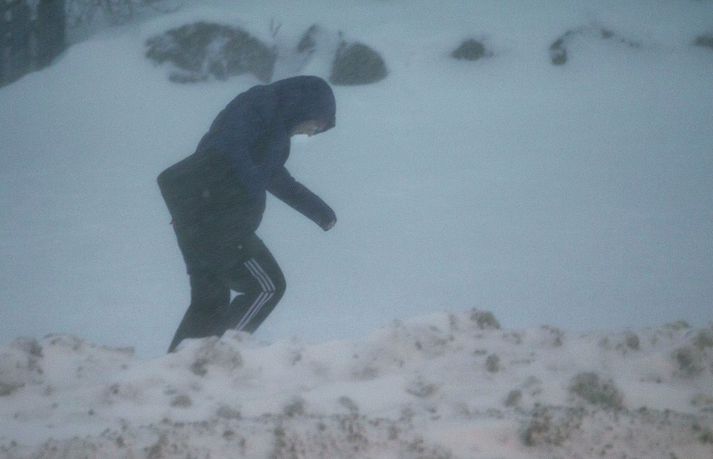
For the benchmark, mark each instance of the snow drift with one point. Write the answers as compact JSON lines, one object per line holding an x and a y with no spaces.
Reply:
{"x":576,"y":195}
{"x":441,"y":386}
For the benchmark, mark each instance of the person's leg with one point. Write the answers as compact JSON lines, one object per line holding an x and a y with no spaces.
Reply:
{"x":204,"y":317}
{"x":260,"y":282}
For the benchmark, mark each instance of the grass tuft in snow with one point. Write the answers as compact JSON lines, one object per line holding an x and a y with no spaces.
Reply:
{"x":593,"y":389}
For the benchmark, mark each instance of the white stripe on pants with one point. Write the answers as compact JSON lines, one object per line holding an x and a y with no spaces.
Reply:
{"x":268,"y":291}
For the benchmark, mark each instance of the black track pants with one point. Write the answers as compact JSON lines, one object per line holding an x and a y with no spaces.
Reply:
{"x":257,"y":279}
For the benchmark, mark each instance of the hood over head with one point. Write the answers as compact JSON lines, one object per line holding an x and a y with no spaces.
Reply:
{"x":305,"y":98}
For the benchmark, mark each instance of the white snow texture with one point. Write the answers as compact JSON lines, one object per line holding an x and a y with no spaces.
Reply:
{"x":575,"y":195}
{"x":441,"y":386}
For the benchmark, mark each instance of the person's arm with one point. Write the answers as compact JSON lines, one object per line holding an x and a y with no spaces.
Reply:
{"x":283,"y":186}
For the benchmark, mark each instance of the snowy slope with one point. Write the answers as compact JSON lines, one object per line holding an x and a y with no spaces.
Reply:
{"x":440,"y":386}
{"x":577,"y":196}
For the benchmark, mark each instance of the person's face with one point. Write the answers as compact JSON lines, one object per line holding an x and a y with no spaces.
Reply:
{"x":309,"y":128}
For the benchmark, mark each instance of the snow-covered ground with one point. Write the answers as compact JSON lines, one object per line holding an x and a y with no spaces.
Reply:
{"x":440,"y":386}
{"x":577,"y":196}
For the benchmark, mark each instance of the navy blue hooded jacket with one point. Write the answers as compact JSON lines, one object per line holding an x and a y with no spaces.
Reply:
{"x":217,"y":195}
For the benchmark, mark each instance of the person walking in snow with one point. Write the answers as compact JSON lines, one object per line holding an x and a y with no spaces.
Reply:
{"x":216,"y":198}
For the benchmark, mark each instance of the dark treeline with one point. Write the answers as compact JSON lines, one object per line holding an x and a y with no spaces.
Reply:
{"x":31,"y":36}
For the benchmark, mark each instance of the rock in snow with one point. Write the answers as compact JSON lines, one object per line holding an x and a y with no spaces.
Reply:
{"x":426,"y":388}
{"x":201,"y":50}
{"x":357,"y":63}
{"x":471,"y":50}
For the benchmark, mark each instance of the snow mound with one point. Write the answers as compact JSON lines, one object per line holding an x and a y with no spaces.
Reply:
{"x":447,"y":385}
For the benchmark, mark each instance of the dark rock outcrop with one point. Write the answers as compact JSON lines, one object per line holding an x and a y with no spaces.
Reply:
{"x":471,"y":50}
{"x":559,"y":53}
{"x":355,"y":64}
{"x":203,"y":50}
{"x":308,"y":42}
{"x":704,"y":41}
